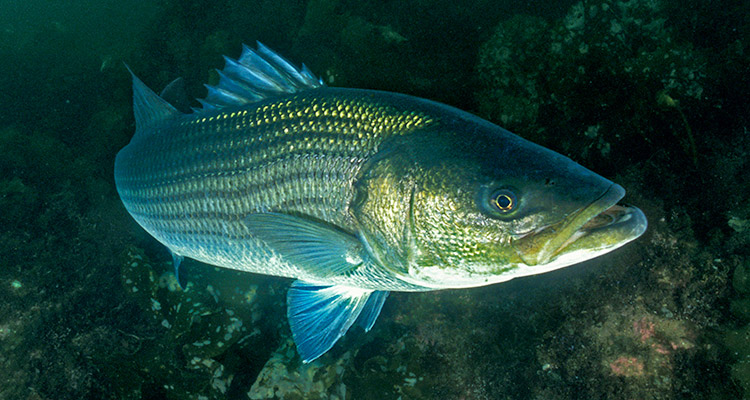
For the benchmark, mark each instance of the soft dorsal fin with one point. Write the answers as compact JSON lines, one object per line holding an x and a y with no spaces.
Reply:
{"x":148,"y":107}
{"x":256,"y":75}
{"x":176,"y":95}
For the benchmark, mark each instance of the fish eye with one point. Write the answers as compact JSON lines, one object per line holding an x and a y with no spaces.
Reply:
{"x":503,"y":200}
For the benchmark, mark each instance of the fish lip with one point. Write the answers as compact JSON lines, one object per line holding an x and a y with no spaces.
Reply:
{"x":597,"y":209}
{"x":560,"y":235}
{"x":612,"y":228}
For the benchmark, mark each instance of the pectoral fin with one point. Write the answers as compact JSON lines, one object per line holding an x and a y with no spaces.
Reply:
{"x":320,"y":315}
{"x":310,"y":244}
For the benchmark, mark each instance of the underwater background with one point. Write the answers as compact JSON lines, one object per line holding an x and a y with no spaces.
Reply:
{"x":649,"y":93}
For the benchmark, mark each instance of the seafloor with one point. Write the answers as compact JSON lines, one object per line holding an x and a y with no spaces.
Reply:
{"x":649,"y":93}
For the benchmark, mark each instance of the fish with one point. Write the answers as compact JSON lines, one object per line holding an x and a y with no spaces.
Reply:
{"x":354,"y":193}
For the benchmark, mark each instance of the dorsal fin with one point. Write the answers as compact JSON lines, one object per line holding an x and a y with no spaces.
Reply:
{"x":176,"y":95}
{"x":148,"y":107}
{"x":256,"y":75}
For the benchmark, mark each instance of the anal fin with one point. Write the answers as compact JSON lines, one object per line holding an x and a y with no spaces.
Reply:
{"x":176,"y":261}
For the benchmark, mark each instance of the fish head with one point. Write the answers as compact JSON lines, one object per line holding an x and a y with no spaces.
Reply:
{"x":457,"y":208}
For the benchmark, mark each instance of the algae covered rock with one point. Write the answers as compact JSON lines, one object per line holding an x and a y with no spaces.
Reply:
{"x":201,"y":334}
{"x":512,"y":72}
{"x":284,"y":377}
{"x":608,"y":76}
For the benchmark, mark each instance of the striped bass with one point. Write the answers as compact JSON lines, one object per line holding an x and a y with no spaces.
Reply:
{"x":354,"y":193}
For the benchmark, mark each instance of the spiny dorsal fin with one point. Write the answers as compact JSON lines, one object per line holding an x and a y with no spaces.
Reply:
{"x":256,"y":75}
{"x":148,"y":107}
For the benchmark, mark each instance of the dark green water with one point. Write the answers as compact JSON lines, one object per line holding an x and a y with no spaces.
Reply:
{"x":649,"y":93}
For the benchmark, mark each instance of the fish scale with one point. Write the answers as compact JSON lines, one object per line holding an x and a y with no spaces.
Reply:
{"x":190,"y":183}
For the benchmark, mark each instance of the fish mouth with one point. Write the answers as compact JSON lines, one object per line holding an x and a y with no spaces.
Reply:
{"x":600,"y":227}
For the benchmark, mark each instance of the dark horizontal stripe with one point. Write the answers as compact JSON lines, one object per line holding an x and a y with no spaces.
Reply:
{"x":191,"y":144}
{"x":310,"y":205}
{"x":246,"y":193}
{"x":311,"y":177}
{"x":201,"y":217}
{"x":232,"y":165}
{"x":205,"y":223}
